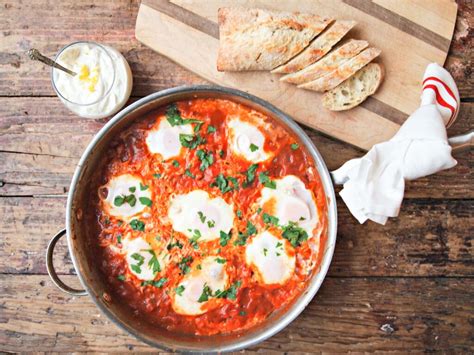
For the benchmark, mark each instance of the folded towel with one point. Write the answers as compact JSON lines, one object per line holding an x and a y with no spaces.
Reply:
{"x":374,"y":184}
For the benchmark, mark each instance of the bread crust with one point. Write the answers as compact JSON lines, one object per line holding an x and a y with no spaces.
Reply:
{"x":255,"y":39}
{"x":328,"y":63}
{"x":344,"y":71}
{"x":317,"y":48}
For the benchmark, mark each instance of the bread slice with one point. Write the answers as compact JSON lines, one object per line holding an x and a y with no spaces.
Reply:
{"x":255,"y":39}
{"x":354,"y":90}
{"x":318,"y":48}
{"x":344,"y":71}
{"x":328,"y":64}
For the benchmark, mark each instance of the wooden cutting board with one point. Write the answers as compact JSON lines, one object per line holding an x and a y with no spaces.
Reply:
{"x":411,"y":34}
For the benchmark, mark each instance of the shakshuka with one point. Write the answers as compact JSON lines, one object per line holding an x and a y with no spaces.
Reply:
{"x":209,"y":216}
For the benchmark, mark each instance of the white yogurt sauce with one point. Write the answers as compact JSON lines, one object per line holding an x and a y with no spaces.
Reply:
{"x":103,"y":82}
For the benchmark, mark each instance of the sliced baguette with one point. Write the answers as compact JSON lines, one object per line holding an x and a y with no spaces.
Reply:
{"x":318,"y":48}
{"x":256,"y":39}
{"x":344,"y":71}
{"x":354,"y":90}
{"x":328,"y":64}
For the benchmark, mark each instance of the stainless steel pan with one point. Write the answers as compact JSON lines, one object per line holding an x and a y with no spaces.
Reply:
{"x":88,"y":272}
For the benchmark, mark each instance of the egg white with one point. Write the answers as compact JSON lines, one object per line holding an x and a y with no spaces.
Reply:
{"x":165,"y":139}
{"x":212,"y":274}
{"x":197,"y":211}
{"x":268,"y":255}
{"x":139,"y":246}
{"x":120,"y":186}
{"x":241,"y":136}
{"x":291,"y":201}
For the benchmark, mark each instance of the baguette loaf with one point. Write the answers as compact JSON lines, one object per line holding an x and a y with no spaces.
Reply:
{"x":354,"y":90}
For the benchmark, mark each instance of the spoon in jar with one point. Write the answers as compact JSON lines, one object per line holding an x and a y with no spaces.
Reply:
{"x":35,"y":54}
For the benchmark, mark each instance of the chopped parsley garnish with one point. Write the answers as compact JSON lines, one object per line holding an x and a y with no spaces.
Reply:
{"x":201,"y":216}
{"x":250,"y":175}
{"x":253,"y":147}
{"x":239,"y":213}
{"x":259,"y":210}
{"x":206,"y":293}
{"x":121,"y":277}
{"x":188,"y":172}
{"x":251,"y":229}
{"x":269,"y":219}
{"x":137,"y":225}
{"x":175,"y":244}
{"x":174,"y":117}
{"x":199,"y":267}
{"x":140,"y":260}
{"x":156,"y":176}
{"x":119,"y":223}
{"x":294,"y":146}
{"x":194,"y":239}
{"x":191,"y":141}
{"x":143,"y":187}
{"x":265,"y":180}
{"x":221,"y":261}
{"x":230,"y":293}
{"x":184,"y":264}
{"x":132,"y":189}
{"x":211,"y":129}
{"x":179,"y":290}
{"x":294,"y":234}
{"x":211,"y":223}
{"x":130,"y":199}
{"x":154,"y":264}
{"x":119,"y":238}
{"x":206,"y":159}
{"x":145,"y":201}
{"x":242,"y":237}
{"x":265,"y":251}
{"x":242,"y":313}
{"x":223,"y":184}
{"x":221,"y":153}
{"x":159,"y":283}
{"x":224,"y":238}
{"x":175,"y":163}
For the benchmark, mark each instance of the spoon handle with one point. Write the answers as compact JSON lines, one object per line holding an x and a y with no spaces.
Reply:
{"x":35,"y":54}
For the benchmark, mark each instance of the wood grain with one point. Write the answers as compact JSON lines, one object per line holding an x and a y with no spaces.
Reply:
{"x":367,"y":315}
{"x":428,"y":239}
{"x":39,"y":161}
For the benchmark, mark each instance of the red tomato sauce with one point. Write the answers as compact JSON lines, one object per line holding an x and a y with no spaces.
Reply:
{"x":254,"y":301}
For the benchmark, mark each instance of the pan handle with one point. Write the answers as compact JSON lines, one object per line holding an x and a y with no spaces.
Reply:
{"x":52,"y":272}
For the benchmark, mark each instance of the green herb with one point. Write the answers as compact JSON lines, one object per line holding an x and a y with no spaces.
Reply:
{"x":220,"y":260}
{"x":211,"y":223}
{"x":158,"y":238}
{"x":156,"y":176}
{"x":224,"y":238}
{"x":221,"y":153}
{"x":176,"y":244}
{"x":239,"y":213}
{"x":140,"y":260}
{"x":259,"y":210}
{"x":119,"y":239}
{"x":121,"y":277}
{"x":199,"y":267}
{"x":279,"y":245}
{"x":223,"y":183}
{"x":206,"y":159}
{"x":253,"y":147}
{"x":120,"y":200}
{"x":250,"y":175}
{"x":211,"y":129}
{"x":242,"y":237}
{"x":143,"y":187}
{"x":119,"y":223}
{"x":230,"y":293}
{"x":154,"y":264}
{"x":269,"y":219}
{"x":191,"y":141}
{"x":295,"y":146}
{"x":251,"y":229}
{"x":201,"y":217}
{"x":175,"y":163}
{"x":137,"y":225}
{"x":265,"y":180}
{"x":132,"y":189}
{"x":183,"y":264}
{"x":302,"y":218}
{"x":242,"y":313}
{"x":265,"y":251}
{"x":294,"y":234}
{"x":198,"y":126}
{"x":145,"y":201}
{"x":206,"y":293}
{"x":189,"y":173}
{"x":174,"y":117}
{"x":179,"y":290}
{"x":194,"y":239}
{"x":159,"y":283}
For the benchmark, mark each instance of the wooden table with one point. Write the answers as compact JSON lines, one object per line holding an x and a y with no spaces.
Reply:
{"x":404,"y":286}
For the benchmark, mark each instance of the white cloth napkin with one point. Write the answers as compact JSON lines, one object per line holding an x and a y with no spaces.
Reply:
{"x":374,"y":184}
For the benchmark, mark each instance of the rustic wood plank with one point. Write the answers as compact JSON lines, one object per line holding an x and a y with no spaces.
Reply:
{"x":430,"y":238}
{"x":397,"y":315}
{"x":51,"y":142}
{"x":27,"y":24}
